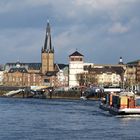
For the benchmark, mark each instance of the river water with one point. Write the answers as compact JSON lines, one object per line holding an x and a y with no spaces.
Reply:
{"x":57,"y":119}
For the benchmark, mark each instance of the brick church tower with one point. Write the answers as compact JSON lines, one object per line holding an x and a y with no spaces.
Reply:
{"x":47,"y":54}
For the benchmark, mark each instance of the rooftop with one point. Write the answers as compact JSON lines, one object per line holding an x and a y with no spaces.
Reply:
{"x":76,"y":53}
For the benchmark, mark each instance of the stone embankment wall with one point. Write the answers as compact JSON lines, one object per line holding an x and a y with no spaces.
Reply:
{"x":5,"y":89}
{"x":70,"y":94}
{"x":65,"y":94}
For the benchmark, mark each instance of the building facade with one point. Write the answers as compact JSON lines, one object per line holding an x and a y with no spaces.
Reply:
{"x":76,"y":64}
{"x":47,"y":54}
{"x":132,"y":75}
{"x":21,"y":77}
{"x":33,"y":74}
{"x":62,"y":75}
{"x":37,"y":74}
{"x":102,"y":75}
{"x":1,"y":77}
{"x":77,"y":73}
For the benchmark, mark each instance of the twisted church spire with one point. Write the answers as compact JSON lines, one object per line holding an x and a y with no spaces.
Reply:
{"x":48,"y":44}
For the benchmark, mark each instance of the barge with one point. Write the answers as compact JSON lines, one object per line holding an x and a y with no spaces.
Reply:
{"x":123,"y":103}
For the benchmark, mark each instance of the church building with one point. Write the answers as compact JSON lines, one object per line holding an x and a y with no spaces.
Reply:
{"x":47,"y":54}
{"x":35,"y":74}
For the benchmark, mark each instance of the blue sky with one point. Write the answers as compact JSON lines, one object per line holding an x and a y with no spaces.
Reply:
{"x":102,"y":30}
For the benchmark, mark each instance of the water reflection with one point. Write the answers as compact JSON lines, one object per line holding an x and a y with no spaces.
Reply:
{"x":128,"y":117}
{"x":32,"y":119}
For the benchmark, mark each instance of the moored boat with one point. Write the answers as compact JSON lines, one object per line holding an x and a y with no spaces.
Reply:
{"x":123,"y":103}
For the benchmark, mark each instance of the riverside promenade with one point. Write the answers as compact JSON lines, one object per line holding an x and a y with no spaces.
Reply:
{"x":54,"y":94}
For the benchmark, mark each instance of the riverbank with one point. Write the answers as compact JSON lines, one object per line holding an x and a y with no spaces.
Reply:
{"x":2,"y":92}
{"x":74,"y":94}
{"x":47,"y":93}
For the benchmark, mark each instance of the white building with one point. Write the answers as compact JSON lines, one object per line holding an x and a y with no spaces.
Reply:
{"x":107,"y":74}
{"x":62,"y":75}
{"x":111,"y":78}
{"x":76,"y":66}
{"x":1,"y":77}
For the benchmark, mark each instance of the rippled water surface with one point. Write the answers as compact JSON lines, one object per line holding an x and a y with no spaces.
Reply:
{"x":41,"y":119}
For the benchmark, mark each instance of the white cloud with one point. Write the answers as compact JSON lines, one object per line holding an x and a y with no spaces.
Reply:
{"x":118,"y":28}
{"x":78,"y":24}
{"x":104,"y":4}
{"x":37,"y":2}
{"x":15,"y":5}
{"x":114,"y":9}
{"x":98,"y":4}
{"x":21,"y":43}
{"x":90,"y":4}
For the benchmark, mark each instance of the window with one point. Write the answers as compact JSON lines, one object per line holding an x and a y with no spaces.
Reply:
{"x":72,"y":59}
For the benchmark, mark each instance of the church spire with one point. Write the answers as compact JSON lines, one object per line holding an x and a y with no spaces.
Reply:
{"x":48,"y":43}
{"x":121,"y":61}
